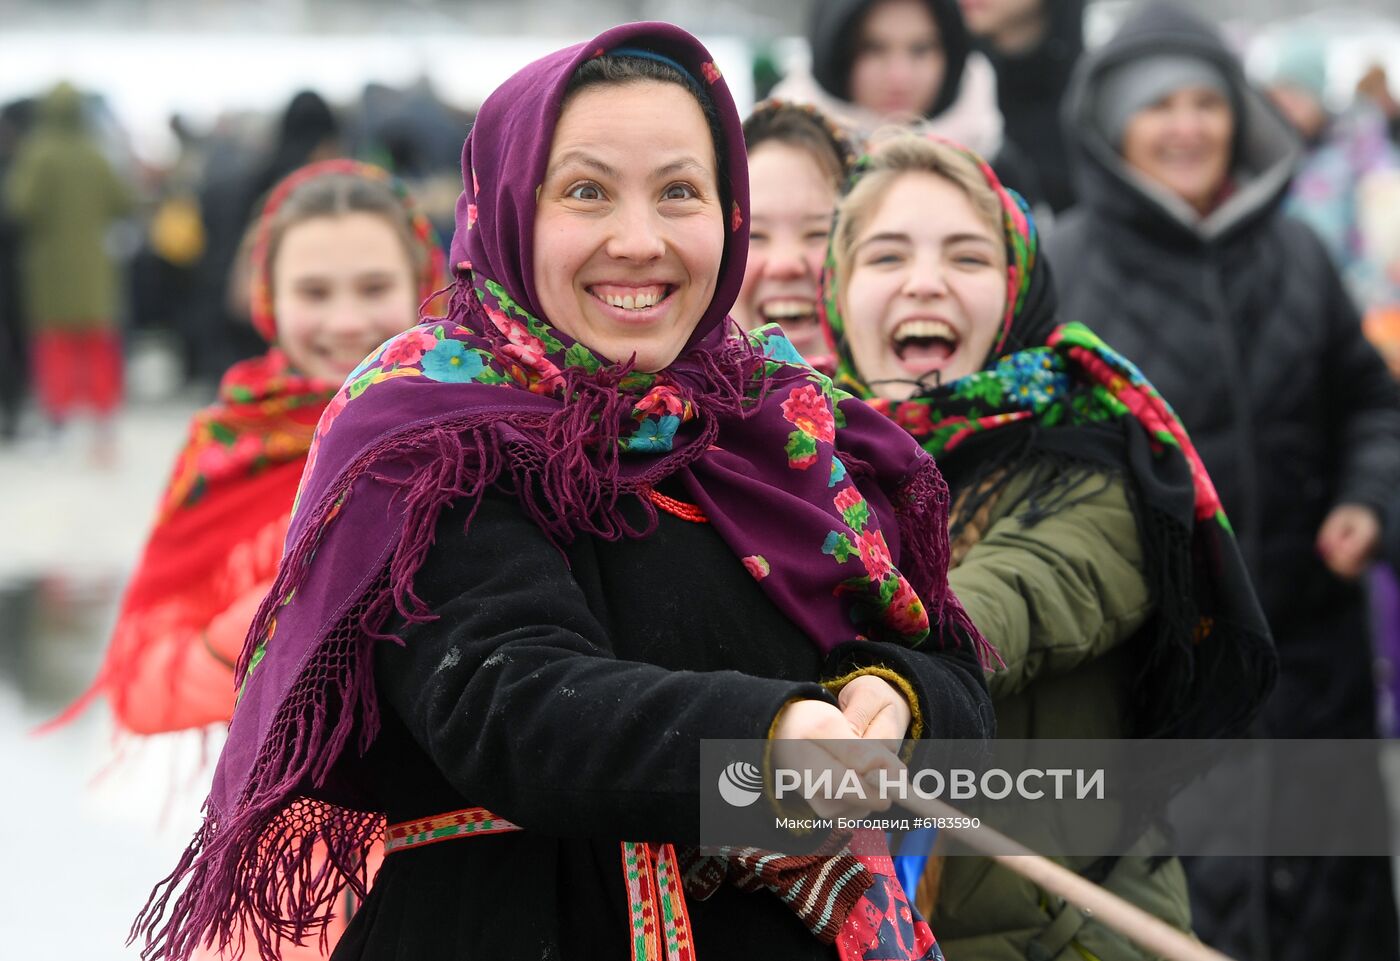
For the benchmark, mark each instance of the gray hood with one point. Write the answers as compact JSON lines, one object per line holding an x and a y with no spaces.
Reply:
{"x":1266,"y":148}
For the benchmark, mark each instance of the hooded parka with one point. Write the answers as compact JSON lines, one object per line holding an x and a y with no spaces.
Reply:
{"x":965,"y":109}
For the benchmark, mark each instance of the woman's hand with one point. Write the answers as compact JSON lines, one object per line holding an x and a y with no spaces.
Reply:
{"x":813,"y":736}
{"x":1348,"y":539}
{"x":875,"y":708}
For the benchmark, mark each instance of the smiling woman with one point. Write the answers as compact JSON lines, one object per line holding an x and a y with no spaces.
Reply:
{"x":924,"y":297}
{"x":341,"y":259}
{"x":598,"y":529}
{"x":1181,"y":256}
{"x":341,"y":287}
{"x":798,"y":163}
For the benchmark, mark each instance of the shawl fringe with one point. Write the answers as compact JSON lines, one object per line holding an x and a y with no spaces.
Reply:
{"x":565,"y":471}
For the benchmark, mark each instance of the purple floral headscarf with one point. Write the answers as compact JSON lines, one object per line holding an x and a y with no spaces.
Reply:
{"x":834,"y":509}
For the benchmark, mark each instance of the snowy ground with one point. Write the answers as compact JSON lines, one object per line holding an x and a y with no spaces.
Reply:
{"x":85,"y":838}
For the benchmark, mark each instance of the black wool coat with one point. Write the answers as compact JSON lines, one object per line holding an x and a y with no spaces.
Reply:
{"x":569,"y":692}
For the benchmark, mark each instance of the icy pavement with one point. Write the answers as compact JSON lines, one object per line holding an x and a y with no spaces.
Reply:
{"x":85,"y":838}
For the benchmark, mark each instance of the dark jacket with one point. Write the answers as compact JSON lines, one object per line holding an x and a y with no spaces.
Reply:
{"x":1030,"y":88}
{"x":569,"y":694}
{"x":1242,"y":322}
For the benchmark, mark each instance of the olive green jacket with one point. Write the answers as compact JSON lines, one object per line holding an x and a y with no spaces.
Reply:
{"x":63,"y":196}
{"x":1057,"y":599}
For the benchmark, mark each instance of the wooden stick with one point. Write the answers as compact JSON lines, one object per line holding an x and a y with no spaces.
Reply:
{"x":1148,"y":932}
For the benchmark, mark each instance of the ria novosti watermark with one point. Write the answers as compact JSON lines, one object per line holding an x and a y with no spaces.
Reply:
{"x":931,"y":784}
{"x":1065,"y":797}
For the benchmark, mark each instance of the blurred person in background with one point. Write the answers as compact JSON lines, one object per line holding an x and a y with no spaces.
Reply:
{"x":1093,"y":563}
{"x":1340,"y":152}
{"x":308,"y":131}
{"x":341,"y":262}
{"x":798,"y":164}
{"x":63,"y":197}
{"x":1348,"y":157}
{"x":15,"y":120}
{"x":904,"y":62}
{"x":1375,"y":86}
{"x":1180,"y":257}
{"x":1033,"y":46}
{"x":164,"y":271}
{"x":418,"y":137}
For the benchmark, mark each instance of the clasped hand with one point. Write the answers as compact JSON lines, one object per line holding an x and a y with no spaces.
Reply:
{"x":860,"y":733}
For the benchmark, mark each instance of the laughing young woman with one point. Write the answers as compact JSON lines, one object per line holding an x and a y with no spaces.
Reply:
{"x":549,"y":543}
{"x":798,"y":164}
{"x":1088,"y":540}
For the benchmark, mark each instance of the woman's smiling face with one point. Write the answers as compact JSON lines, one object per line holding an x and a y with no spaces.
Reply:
{"x":792,"y":201}
{"x":342,"y":285}
{"x":629,"y":226}
{"x":926,"y":294}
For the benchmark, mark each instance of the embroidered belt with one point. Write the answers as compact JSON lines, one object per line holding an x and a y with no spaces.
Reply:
{"x":467,"y":822}
{"x":656,"y":911}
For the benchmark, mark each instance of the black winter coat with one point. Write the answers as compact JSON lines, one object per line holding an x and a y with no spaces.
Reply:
{"x":569,"y":694}
{"x":1030,"y":88}
{"x":1242,"y":322}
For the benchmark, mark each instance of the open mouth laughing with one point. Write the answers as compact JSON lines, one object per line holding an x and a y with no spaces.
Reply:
{"x":924,"y":344}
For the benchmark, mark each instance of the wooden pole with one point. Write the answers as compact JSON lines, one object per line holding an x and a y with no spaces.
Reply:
{"x":1150,"y":933}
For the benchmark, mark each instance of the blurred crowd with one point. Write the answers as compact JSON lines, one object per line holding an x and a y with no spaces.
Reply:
{"x":100,"y":247}
{"x":1237,"y":238}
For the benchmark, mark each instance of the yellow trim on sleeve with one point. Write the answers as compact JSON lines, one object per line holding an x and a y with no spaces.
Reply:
{"x":916,"y":716}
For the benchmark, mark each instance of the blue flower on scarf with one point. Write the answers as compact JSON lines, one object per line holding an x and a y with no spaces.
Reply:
{"x":452,"y":362}
{"x":838,"y":471}
{"x":654,"y":436}
{"x":779,"y":348}
{"x":1030,"y":379}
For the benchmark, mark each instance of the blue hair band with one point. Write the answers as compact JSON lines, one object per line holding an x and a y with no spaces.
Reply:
{"x":658,"y":57}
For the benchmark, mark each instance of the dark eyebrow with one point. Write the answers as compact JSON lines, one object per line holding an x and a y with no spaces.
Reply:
{"x":888,"y":236}
{"x":579,"y":157}
{"x":586,"y":160}
{"x":961,"y":238}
